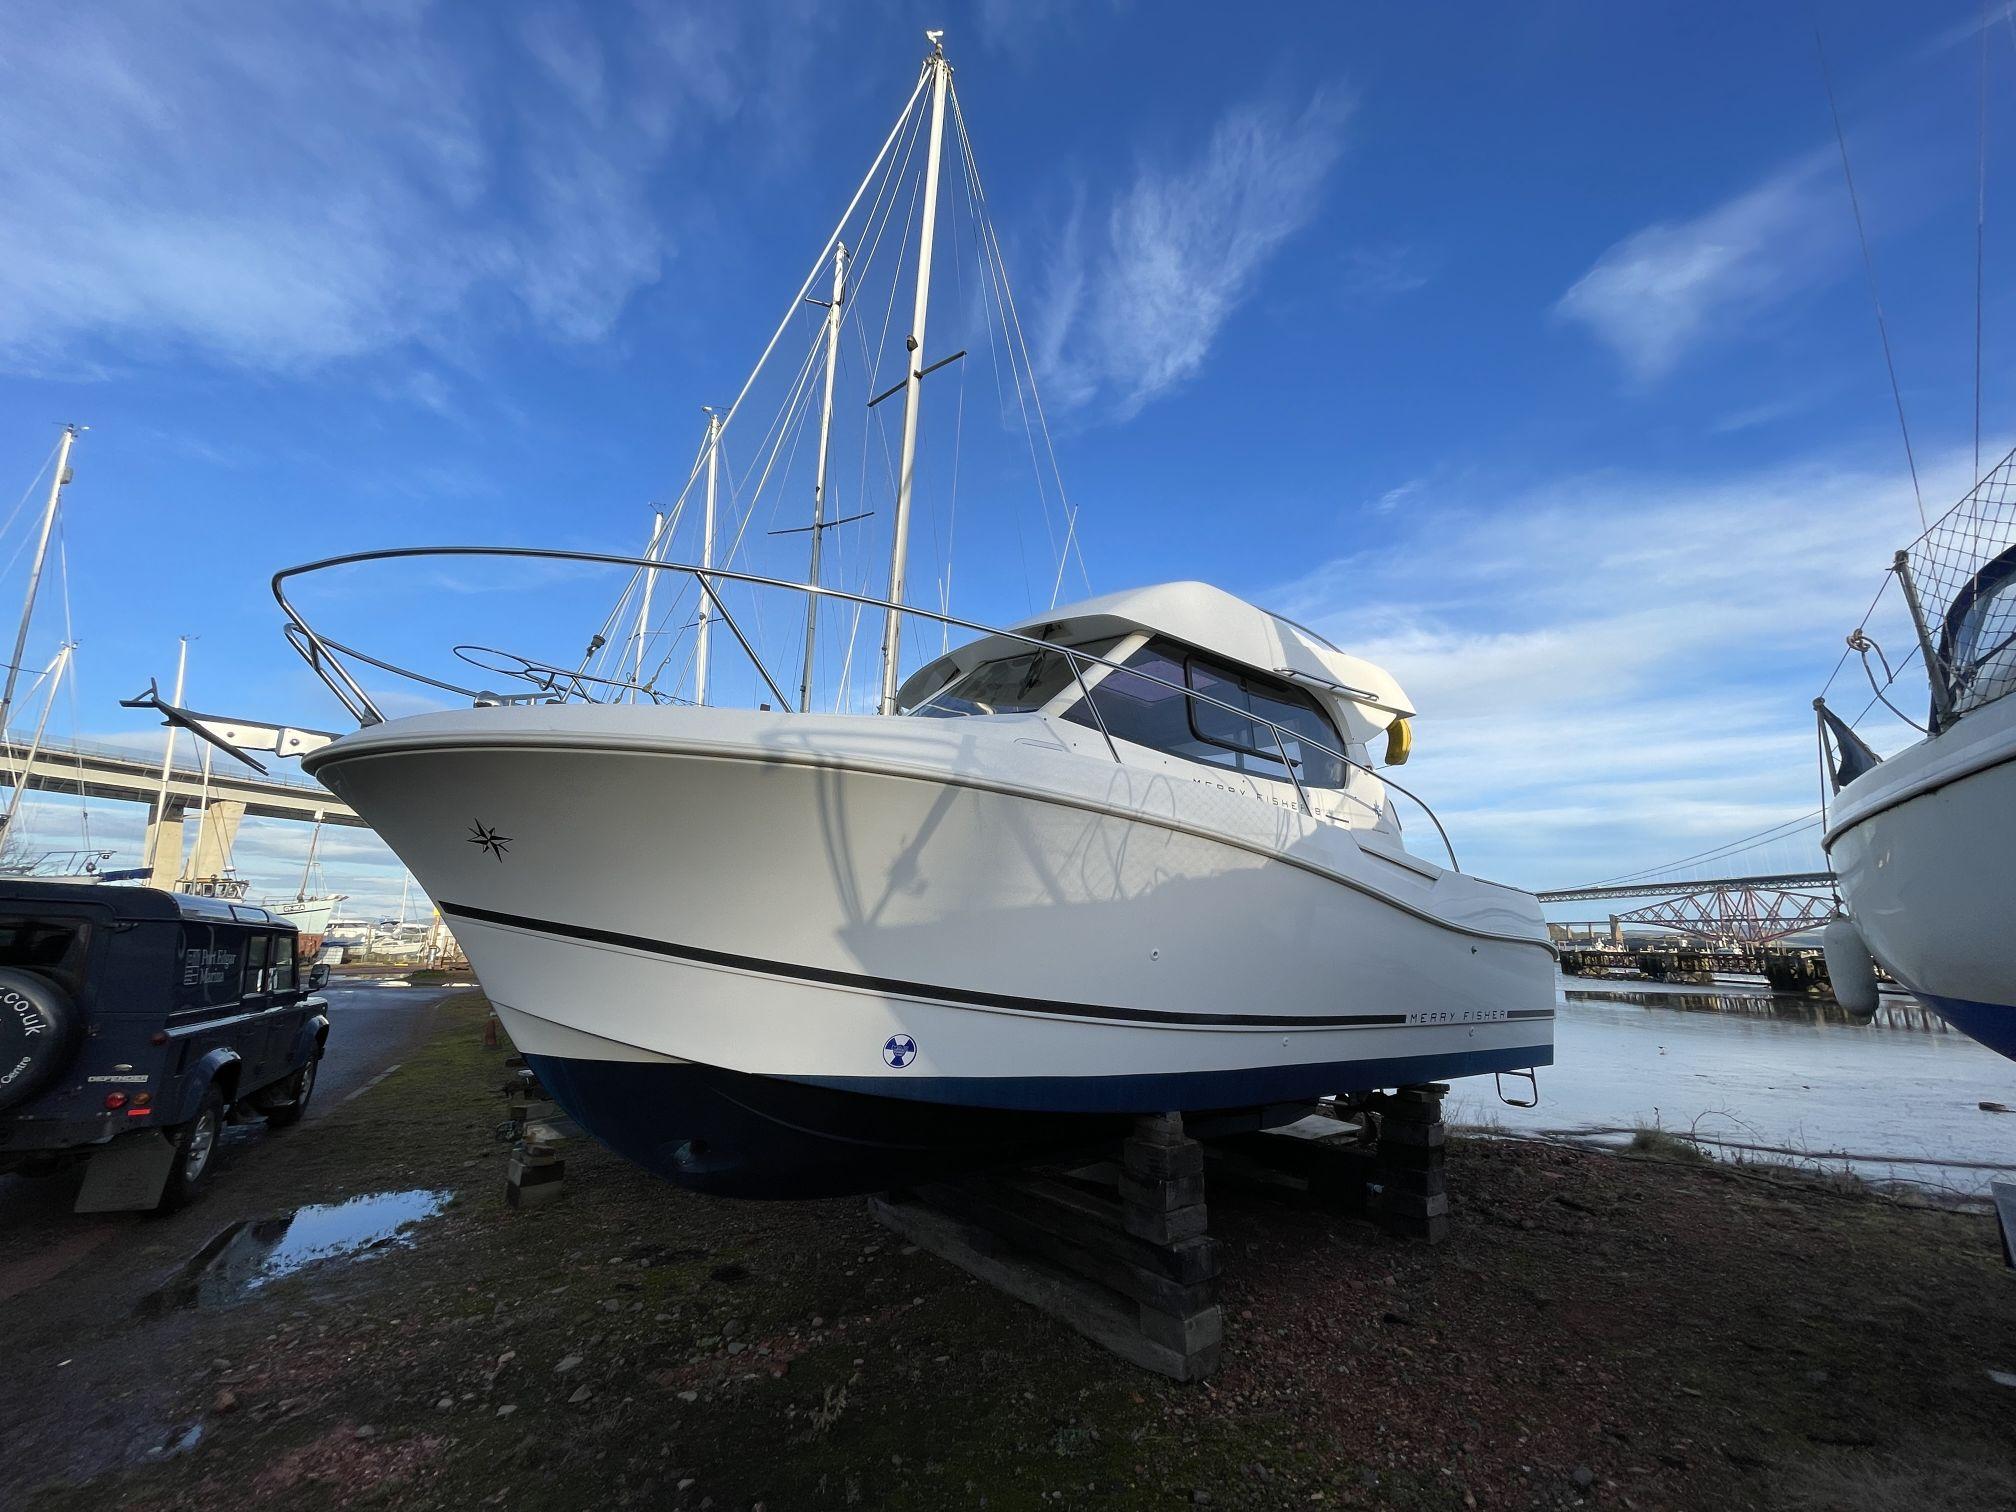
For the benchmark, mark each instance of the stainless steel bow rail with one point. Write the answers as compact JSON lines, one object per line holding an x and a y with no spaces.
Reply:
{"x":557,"y":685}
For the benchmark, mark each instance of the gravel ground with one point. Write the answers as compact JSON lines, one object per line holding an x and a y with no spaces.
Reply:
{"x":1600,"y":1330}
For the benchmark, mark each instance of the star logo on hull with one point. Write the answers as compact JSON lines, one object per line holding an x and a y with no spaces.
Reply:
{"x":492,"y":842}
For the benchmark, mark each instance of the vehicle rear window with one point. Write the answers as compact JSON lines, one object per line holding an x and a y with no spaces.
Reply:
{"x":54,"y":948}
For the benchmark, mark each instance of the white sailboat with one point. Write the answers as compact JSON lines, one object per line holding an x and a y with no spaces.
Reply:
{"x":308,"y":912}
{"x":1129,"y":856}
{"x":1924,"y":843}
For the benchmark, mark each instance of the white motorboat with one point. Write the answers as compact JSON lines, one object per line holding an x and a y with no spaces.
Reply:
{"x":975,"y":927}
{"x":1924,"y":843}
{"x":1131,"y":856}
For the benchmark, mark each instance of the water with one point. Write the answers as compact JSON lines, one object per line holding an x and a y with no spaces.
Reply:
{"x":248,"y":1256}
{"x":1738,"y":1063}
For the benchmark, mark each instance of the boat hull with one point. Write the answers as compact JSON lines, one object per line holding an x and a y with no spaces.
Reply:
{"x":770,"y":955}
{"x":1924,"y":847}
{"x":309,"y":916}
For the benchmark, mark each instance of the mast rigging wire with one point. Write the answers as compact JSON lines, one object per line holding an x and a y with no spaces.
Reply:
{"x":1071,"y":544}
{"x":1869,"y":267}
{"x":1980,"y":227}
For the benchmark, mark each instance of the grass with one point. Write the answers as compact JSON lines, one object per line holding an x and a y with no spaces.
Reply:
{"x":1689,"y":1335}
{"x":1658,"y":1144}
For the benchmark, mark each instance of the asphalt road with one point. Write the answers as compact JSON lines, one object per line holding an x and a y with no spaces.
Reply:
{"x":371,"y":1025}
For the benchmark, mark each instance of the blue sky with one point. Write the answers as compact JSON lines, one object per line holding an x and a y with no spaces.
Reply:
{"x":1526,"y":350}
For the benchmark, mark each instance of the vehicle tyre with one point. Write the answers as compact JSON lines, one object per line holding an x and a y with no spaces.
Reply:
{"x":40,"y":1030}
{"x":289,"y":1113}
{"x":196,"y":1145}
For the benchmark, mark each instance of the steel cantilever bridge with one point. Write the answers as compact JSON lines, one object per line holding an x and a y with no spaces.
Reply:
{"x":1722,"y":910}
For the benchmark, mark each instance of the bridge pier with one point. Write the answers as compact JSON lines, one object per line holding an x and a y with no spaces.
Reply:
{"x":164,"y":849}
{"x":214,"y":837}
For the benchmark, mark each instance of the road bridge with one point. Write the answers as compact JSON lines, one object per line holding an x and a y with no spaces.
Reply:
{"x":103,"y":772}
{"x":113,"y":772}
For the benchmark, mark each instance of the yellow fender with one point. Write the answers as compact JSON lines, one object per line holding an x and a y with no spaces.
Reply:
{"x":1399,"y":742}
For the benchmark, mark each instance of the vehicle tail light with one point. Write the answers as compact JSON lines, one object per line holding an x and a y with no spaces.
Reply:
{"x":158,"y":1037}
{"x":141,"y":1099}
{"x":115,"y":1100}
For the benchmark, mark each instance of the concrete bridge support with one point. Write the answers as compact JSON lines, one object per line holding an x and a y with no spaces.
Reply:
{"x":215,"y":837}
{"x":164,"y":850}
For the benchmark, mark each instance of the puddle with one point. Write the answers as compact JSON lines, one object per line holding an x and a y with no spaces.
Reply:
{"x":250,"y":1255}
{"x":174,"y":1445}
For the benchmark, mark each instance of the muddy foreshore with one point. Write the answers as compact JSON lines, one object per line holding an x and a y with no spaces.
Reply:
{"x":1600,"y":1330}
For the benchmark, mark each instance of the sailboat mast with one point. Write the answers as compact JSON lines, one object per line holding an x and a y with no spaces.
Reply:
{"x":707,"y":560}
{"x":56,"y":482}
{"x":160,"y":828}
{"x":55,"y":675}
{"x":308,"y":870}
{"x":819,"y":479}
{"x":913,"y":384}
{"x":644,"y":608}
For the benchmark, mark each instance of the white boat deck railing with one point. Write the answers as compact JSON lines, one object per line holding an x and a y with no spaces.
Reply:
{"x":325,"y":657}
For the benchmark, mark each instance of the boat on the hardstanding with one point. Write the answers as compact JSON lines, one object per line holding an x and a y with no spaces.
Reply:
{"x":1923,"y":843}
{"x":1132,"y":855}
{"x":308,"y":915}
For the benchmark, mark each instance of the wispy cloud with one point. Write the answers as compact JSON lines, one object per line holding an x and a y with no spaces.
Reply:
{"x":1384,"y":272}
{"x":1138,"y":295}
{"x":1397,"y":495}
{"x":283,"y":186}
{"x":1616,"y":670}
{"x":1664,"y":290}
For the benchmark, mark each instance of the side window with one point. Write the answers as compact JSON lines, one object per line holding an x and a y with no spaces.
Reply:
{"x":1159,"y":716}
{"x":1147,"y":713}
{"x":1278,"y":703}
{"x":283,"y":963}
{"x":255,"y":962}
{"x":212,"y":963}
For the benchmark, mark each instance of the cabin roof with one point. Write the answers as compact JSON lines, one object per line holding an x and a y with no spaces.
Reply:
{"x":1211,"y":620}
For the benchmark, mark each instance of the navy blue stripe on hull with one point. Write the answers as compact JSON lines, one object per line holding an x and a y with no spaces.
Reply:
{"x":733,"y":1134}
{"x":1216,"y":1090}
{"x":1993,"y":1024}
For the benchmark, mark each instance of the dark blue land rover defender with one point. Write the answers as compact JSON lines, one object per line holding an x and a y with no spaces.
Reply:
{"x":134,"y":1024}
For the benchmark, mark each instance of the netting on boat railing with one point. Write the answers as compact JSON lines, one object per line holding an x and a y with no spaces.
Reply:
{"x":1964,"y":569}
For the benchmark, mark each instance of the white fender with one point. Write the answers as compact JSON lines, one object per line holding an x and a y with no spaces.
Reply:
{"x":1850,"y":967}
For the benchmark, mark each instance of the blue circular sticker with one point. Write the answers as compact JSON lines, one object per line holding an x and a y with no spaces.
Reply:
{"x":899,"y":1050}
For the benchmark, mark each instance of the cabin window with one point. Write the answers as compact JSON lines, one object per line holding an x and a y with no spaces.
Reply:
{"x":1018,"y":684}
{"x":1305,"y":727}
{"x":1163,"y":718}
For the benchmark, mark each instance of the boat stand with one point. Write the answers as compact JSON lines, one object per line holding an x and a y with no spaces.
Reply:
{"x":1115,"y":1249}
{"x":1379,"y":1154}
{"x":1119,"y":1249}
